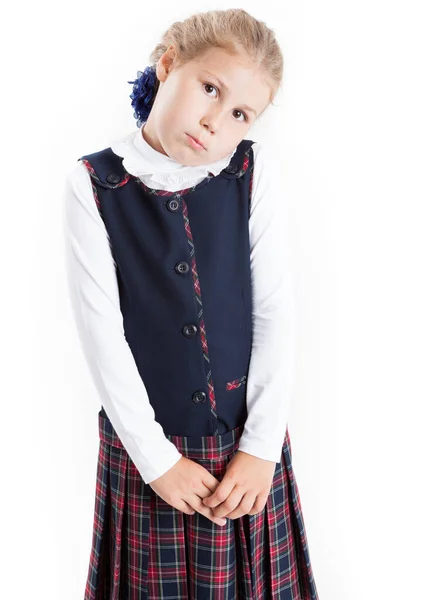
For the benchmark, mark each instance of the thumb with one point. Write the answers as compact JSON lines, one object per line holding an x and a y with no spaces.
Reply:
{"x":220,"y":493}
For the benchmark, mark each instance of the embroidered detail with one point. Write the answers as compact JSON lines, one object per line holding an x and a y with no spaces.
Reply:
{"x":190,"y":189}
{"x":178,"y":193}
{"x":232,"y":385}
{"x":161,"y":192}
{"x":159,"y":170}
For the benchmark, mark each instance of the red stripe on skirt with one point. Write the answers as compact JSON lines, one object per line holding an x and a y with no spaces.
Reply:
{"x":143,"y":548}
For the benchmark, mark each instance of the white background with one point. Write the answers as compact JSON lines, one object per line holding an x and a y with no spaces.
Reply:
{"x":356,"y":123}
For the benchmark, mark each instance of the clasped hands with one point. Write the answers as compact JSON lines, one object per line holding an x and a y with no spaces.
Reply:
{"x":244,"y":488}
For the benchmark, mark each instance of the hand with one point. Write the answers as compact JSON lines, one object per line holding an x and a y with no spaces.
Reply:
{"x":184,"y":486}
{"x":244,"y":488}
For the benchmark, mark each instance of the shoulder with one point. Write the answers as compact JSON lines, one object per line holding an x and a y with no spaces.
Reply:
{"x":266,"y":161}
{"x":267,"y":175}
{"x":77,"y":177}
{"x":257,"y":152}
{"x":257,"y":149}
{"x":78,"y":191}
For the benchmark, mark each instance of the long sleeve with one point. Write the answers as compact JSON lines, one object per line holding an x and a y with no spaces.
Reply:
{"x":94,"y":294}
{"x":270,"y":375}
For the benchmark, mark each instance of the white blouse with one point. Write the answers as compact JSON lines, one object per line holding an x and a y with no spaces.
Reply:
{"x":94,"y":296}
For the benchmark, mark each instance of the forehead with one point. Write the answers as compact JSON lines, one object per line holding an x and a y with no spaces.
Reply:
{"x":223,"y":63}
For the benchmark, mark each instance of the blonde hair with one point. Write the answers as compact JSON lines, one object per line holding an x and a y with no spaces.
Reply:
{"x":233,"y":30}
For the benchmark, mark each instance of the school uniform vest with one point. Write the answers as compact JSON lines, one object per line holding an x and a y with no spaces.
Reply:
{"x":183,"y":268}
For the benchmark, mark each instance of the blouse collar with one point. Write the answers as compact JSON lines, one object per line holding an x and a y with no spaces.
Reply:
{"x":140,"y":159}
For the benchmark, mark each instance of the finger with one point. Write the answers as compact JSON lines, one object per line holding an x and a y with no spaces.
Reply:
{"x":259,"y":504}
{"x":184,"y":507}
{"x":203,"y":491}
{"x":245,"y":507}
{"x":196,"y":503}
{"x":230,"y":503}
{"x":210,"y":481}
{"x":221,"y":493}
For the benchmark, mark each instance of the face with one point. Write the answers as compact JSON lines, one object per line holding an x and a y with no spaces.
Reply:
{"x":209,"y":98}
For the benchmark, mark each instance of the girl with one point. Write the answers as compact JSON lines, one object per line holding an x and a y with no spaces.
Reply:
{"x":177,"y":267}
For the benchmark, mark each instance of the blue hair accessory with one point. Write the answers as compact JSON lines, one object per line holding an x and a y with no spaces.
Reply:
{"x":143,"y":94}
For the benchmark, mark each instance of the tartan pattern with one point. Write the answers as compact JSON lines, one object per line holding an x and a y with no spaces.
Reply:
{"x":143,"y":548}
{"x":232,"y":385}
{"x":200,"y":310}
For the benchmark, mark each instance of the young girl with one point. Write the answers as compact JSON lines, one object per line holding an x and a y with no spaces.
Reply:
{"x":178,"y":273}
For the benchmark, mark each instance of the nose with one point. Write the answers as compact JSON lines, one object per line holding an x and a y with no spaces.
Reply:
{"x":208,"y":124}
{"x":211,"y":120}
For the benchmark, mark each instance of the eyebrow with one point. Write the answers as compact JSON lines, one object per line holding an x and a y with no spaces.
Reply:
{"x":222,"y":84}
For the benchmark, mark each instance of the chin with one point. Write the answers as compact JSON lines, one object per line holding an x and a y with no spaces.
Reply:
{"x":186,"y":158}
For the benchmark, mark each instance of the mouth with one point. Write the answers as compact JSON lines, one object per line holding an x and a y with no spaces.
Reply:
{"x":195,"y":142}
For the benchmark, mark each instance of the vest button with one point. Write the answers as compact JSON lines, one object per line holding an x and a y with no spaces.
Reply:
{"x":172,"y":205}
{"x":190,"y":330}
{"x":182,"y":267}
{"x":113,"y":178}
{"x":199,"y":397}
{"x":231,"y":168}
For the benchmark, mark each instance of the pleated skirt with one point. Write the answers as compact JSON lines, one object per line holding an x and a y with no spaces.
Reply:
{"x":143,"y":548}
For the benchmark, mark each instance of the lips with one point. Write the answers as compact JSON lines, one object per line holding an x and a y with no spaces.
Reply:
{"x":197,"y":141}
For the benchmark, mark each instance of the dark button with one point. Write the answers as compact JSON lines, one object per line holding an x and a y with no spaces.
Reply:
{"x":172,"y":205}
{"x":182,"y":267}
{"x":113,"y":178}
{"x":231,"y":168}
{"x":190,"y":330}
{"x":199,"y":397}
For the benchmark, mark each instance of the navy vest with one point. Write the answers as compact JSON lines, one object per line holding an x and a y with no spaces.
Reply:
{"x":183,"y":269}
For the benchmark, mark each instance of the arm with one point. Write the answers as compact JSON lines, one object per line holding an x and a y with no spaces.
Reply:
{"x":271,"y":366}
{"x":94,"y":295}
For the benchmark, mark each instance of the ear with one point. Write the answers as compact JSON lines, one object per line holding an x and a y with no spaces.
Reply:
{"x":165,"y":63}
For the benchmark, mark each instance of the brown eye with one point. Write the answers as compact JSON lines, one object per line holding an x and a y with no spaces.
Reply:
{"x":212,"y":87}
{"x":208,"y":85}
{"x":245,"y":118}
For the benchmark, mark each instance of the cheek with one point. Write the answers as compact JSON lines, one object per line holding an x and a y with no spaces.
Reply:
{"x":168,"y":122}
{"x":192,"y":103}
{"x":176,"y":115}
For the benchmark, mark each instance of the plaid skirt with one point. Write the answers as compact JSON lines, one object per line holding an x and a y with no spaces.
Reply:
{"x":144,"y":548}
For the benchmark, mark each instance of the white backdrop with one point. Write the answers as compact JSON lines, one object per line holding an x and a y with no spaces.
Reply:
{"x":356,"y":121}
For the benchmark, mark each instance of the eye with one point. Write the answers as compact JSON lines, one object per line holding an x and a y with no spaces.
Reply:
{"x":210,"y":86}
{"x":245,"y":118}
